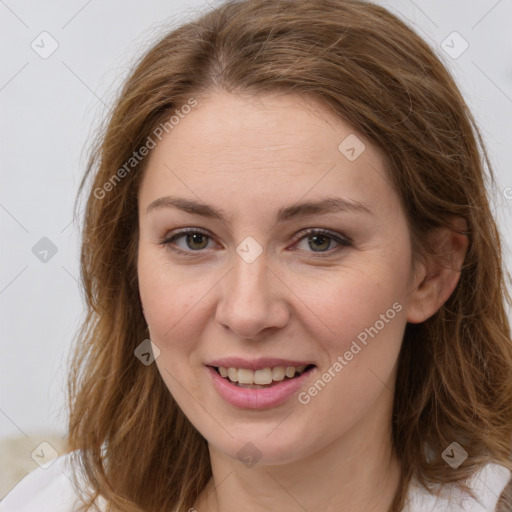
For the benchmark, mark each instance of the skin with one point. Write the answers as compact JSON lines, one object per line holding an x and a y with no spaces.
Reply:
{"x":250,"y":156}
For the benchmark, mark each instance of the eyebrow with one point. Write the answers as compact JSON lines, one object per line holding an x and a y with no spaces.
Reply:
{"x":322,"y":206}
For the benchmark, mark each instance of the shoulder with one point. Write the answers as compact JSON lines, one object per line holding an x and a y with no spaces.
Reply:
{"x":45,"y":490}
{"x":487,"y":484}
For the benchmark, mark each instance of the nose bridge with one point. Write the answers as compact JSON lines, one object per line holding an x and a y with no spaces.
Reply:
{"x":249,"y":285}
{"x":250,"y":300}
{"x":249,"y":277}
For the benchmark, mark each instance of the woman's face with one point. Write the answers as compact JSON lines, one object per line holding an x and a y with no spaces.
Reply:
{"x":249,"y":282}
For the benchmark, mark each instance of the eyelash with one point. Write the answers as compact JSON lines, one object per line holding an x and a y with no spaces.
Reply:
{"x":343,"y":241}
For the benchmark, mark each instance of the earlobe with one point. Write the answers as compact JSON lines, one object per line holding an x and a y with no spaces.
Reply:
{"x":438,"y":273}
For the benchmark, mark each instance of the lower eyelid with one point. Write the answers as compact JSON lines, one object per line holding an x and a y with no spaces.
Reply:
{"x":170,"y":241}
{"x":342,"y":242}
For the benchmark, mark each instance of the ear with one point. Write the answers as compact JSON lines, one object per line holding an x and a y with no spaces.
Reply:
{"x":437,"y":275}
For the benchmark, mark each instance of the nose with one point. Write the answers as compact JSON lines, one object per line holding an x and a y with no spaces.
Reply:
{"x":253,"y":299}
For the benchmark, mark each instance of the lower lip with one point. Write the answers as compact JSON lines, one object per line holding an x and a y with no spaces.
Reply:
{"x":255,"y":398}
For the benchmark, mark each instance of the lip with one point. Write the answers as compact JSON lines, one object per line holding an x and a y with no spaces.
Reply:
{"x":256,"y":364}
{"x":263,"y":398}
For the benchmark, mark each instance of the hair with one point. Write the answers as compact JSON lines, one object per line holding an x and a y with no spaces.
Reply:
{"x":136,"y":447}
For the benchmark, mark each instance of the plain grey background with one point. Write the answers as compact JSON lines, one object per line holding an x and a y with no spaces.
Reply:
{"x":52,"y":103}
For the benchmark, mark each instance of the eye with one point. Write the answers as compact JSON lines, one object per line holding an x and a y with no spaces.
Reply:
{"x":194,"y":240}
{"x":320,"y":241}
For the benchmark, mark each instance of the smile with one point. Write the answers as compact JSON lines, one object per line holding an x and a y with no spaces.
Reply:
{"x":258,"y":379}
{"x":240,"y":389}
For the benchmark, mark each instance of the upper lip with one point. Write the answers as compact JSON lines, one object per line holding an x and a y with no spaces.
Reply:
{"x":256,"y":364}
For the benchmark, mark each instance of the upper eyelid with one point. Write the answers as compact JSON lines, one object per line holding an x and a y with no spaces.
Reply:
{"x":299,"y":234}
{"x":186,"y":231}
{"x":339,"y":238}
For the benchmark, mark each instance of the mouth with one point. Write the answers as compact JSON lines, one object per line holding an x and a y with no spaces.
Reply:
{"x":263,"y":378}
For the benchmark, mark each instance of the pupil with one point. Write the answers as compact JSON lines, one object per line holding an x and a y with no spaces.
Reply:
{"x":196,"y":238}
{"x":192,"y":239}
{"x":316,"y":237}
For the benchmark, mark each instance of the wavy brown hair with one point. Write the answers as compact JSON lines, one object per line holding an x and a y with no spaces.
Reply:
{"x":134,"y":445}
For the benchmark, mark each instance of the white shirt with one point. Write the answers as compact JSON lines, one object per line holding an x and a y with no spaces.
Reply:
{"x":50,"y":490}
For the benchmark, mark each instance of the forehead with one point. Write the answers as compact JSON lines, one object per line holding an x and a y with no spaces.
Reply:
{"x":249,"y":148}
{"x":222,"y":124}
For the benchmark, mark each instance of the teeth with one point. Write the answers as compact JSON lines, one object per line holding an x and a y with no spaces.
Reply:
{"x":261,"y":377}
{"x":278,"y":373}
{"x":233,"y":374}
{"x":290,"y":371}
{"x":244,"y":376}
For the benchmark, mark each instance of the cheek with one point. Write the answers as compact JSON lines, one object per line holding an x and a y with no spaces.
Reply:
{"x":169,"y":297}
{"x":162,"y":293}
{"x":173,"y":299}
{"x":363,"y":322}
{"x":353,"y":302}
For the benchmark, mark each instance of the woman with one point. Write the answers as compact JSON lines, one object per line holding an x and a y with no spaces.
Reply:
{"x":294,"y":280}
